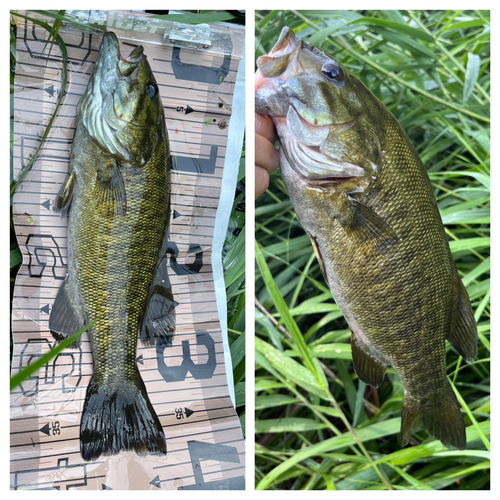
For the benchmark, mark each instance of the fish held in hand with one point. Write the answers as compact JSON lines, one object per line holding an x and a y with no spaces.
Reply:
{"x":365,"y":200}
{"x":117,"y":195}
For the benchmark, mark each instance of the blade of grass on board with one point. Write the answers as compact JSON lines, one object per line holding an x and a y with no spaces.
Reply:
{"x":32,"y":368}
{"x":64,"y":79}
{"x":192,"y":18}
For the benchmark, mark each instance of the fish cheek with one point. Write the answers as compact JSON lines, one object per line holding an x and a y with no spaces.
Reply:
{"x":362,"y":146}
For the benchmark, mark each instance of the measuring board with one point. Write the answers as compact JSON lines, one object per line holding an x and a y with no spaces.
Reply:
{"x":185,"y":380}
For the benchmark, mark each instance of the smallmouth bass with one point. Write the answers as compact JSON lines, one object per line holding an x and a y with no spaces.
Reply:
{"x":366,"y":202}
{"x":117,"y":194}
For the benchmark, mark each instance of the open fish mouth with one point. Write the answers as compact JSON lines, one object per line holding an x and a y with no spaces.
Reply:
{"x":126,"y":66}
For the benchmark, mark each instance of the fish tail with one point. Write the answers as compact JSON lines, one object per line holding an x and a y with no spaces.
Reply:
{"x":119,"y":419}
{"x":443,"y":420}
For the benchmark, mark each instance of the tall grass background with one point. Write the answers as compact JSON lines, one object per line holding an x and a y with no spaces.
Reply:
{"x":317,"y":426}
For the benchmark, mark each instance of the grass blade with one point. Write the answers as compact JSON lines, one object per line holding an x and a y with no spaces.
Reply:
{"x":32,"y":368}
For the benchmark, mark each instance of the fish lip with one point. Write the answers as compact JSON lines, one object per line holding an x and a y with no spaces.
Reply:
{"x":137,"y":55}
{"x":287,"y":42}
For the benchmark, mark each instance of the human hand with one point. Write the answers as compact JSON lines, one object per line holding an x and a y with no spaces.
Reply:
{"x":266,"y":155}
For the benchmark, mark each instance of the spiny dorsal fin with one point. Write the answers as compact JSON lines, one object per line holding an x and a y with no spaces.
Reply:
{"x":463,"y":333}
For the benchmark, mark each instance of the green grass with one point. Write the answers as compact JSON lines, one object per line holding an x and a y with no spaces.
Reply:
{"x":233,"y":262}
{"x":317,"y":426}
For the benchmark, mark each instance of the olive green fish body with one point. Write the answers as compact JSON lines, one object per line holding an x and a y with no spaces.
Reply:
{"x":118,"y":188}
{"x":364,"y":198}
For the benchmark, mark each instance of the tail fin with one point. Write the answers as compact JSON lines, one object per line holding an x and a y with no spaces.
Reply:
{"x":123,"y":419}
{"x":443,"y":421}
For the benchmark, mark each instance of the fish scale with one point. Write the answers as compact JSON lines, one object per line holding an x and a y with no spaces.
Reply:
{"x":367,"y":204}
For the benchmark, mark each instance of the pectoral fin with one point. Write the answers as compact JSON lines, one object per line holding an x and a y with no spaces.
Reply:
{"x":64,"y":319}
{"x":63,"y":199}
{"x":319,"y":257}
{"x":369,"y":369}
{"x":463,"y":334}
{"x":368,"y":229}
{"x":110,"y":191}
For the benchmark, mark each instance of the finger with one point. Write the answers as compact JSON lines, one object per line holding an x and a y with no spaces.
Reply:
{"x":261,"y":180}
{"x":265,"y":154}
{"x":264,"y":127}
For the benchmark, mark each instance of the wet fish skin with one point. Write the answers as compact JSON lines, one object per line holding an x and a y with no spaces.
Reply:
{"x":364,"y":198}
{"x":118,"y":196}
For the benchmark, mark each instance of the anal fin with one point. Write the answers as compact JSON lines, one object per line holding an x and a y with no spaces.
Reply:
{"x":159,"y":319}
{"x":64,"y":320}
{"x":463,"y":334}
{"x":369,"y":369}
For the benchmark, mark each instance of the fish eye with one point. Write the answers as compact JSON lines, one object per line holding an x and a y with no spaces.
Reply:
{"x":152,"y":89}
{"x":332,"y":72}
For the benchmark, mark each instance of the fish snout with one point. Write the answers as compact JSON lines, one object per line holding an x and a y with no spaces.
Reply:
{"x":271,"y":97}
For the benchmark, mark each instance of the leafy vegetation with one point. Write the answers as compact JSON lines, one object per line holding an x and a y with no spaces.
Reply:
{"x":317,"y":425}
{"x":233,"y":262}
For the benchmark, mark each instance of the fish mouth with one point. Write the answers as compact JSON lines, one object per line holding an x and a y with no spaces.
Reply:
{"x":278,"y":59}
{"x":112,"y":69}
{"x":274,"y":69}
{"x":128,"y":66}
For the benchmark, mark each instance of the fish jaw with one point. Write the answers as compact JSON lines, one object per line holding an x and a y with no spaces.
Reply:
{"x":270,"y":96}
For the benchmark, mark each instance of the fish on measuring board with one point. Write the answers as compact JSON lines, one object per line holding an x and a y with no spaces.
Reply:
{"x":118,"y":195}
{"x":365,"y":200}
